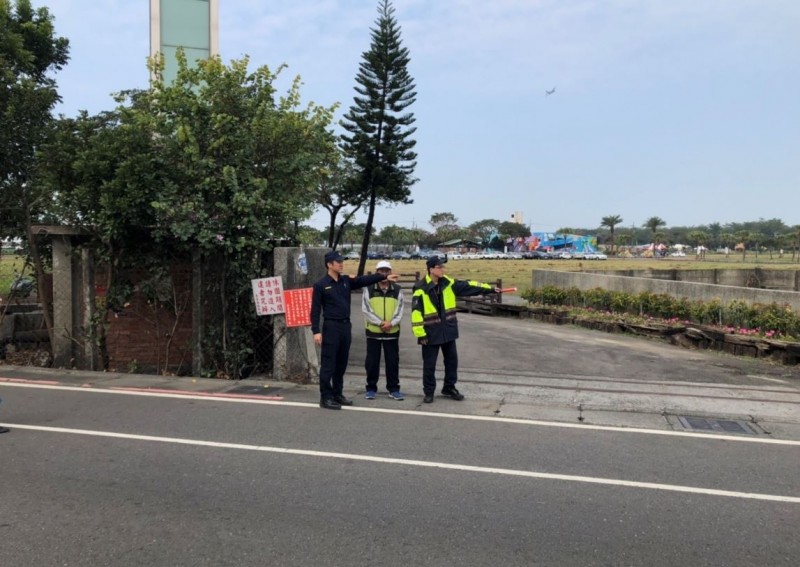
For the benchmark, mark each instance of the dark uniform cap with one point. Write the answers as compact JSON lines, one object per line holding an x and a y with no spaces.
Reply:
{"x":333,"y":257}
{"x":434,"y":261}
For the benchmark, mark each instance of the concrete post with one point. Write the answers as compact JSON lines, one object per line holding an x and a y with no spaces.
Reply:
{"x":295,"y":356}
{"x":90,"y":354}
{"x":63,"y":315}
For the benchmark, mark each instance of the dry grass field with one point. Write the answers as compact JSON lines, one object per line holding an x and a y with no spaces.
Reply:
{"x":517,"y":273}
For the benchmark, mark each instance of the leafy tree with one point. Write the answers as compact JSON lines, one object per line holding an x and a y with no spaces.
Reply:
{"x":353,"y":234}
{"x":214,"y":162}
{"x":611,"y":222}
{"x":396,"y":235}
{"x":510,"y":229}
{"x":310,"y":236}
{"x":336,"y":191}
{"x":443,"y":221}
{"x":715,"y":230}
{"x":379,"y":124}
{"x":423,"y":238}
{"x":484,"y":230}
{"x":445,"y":226}
{"x":29,"y":52}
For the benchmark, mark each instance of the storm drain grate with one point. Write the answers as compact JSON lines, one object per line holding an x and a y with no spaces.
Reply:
{"x":716,"y":425}
{"x":254,"y":390}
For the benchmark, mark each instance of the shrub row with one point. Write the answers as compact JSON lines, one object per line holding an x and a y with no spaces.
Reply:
{"x":770,"y":319}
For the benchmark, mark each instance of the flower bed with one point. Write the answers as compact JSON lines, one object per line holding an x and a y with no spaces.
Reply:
{"x":734,"y":340}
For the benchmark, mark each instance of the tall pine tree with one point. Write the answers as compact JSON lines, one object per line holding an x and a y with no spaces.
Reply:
{"x":378,"y":125}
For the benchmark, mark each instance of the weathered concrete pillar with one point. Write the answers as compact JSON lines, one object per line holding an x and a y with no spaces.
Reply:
{"x":90,"y":355}
{"x":63,"y":315}
{"x":295,"y":356}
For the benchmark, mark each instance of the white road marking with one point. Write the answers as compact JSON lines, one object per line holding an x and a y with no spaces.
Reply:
{"x":492,"y":419}
{"x":416,"y":463}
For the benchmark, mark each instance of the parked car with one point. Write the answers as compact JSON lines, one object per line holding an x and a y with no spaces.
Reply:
{"x":422,"y":254}
{"x":535,"y":255}
{"x":596,"y":256}
{"x":678,"y":254}
{"x":400,"y":255}
{"x":352,"y":255}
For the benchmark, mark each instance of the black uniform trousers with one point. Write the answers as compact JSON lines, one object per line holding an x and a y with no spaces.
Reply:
{"x":430,"y":353}
{"x":336,"y":338}
{"x":391,"y":353}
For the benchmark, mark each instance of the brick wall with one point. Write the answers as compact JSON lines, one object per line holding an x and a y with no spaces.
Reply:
{"x":138,"y":337}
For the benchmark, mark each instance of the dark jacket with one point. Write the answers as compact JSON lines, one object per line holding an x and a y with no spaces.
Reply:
{"x":433,"y":307}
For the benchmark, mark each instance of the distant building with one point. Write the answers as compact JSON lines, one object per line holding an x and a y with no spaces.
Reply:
{"x":459,"y":245}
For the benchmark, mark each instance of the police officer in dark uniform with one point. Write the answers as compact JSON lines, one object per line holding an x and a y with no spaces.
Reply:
{"x":330,"y":299}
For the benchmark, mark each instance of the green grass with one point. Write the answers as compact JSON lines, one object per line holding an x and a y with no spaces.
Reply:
{"x":9,"y":265}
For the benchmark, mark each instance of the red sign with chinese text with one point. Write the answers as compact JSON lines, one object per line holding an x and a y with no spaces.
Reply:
{"x":298,"y":307}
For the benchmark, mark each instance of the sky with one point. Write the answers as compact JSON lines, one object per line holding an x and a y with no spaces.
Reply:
{"x":688,"y":110}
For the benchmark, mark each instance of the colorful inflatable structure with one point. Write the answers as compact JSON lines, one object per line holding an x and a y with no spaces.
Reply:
{"x":553,"y":241}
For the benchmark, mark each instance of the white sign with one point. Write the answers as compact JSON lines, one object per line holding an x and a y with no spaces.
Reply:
{"x":268,"y":295}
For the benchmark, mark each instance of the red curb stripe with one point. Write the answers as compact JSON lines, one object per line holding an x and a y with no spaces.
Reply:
{"x":26,"y":381}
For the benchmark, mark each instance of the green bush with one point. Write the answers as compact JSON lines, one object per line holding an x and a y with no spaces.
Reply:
{"x":769,"y":320}
{"x":774,"y":317}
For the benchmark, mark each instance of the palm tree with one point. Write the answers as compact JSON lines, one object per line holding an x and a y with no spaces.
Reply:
{"x":610,"y":222}
{"x":654,"y":223}
{"x":743,"y":236}
{"x":699,"y":238}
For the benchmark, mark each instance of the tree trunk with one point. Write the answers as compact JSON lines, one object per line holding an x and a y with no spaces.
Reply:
{"x":367,"y":231}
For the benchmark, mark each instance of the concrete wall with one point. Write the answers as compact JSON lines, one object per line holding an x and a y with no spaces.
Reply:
{"x":689,"y":290}
{"x":786,"y":280}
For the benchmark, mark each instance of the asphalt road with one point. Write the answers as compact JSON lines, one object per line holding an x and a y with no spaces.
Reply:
{"x":525,"y":368}
{"x":94,"y":476}
{"x":567,"y":451}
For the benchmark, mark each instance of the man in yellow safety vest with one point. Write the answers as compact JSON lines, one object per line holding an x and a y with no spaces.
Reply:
{"x":434,"y":323}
